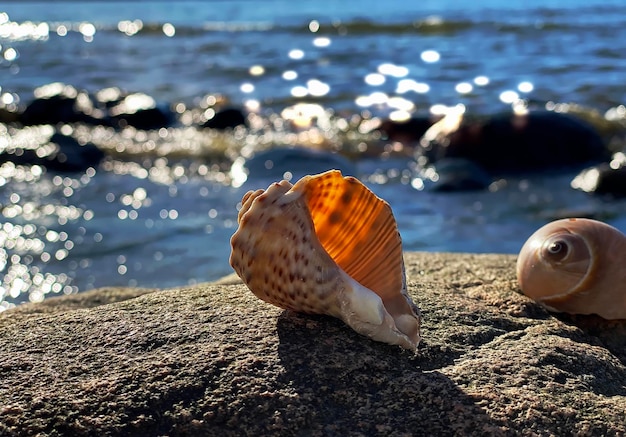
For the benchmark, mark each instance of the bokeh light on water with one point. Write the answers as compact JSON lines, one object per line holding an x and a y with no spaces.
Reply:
{"x":159,"y":211}
{"x":31,"y":234}
{"x":163,"y":201}
{"x":62,"y":234}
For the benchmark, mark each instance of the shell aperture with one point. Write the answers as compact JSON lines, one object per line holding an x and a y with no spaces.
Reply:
{"x":576,"y":266}
{"x":327,"y":245}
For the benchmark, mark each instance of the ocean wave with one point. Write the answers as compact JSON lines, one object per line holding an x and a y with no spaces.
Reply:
{"x":431,"y":25}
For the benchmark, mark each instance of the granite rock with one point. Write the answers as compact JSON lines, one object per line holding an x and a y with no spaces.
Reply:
{"x":212,"y":359}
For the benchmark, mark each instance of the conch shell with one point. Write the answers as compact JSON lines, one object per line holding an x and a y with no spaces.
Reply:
{"x":327,"y":245}
{"x":577,"y":266}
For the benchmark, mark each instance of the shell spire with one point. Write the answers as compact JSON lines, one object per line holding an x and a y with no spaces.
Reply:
{"x":327,"y":245}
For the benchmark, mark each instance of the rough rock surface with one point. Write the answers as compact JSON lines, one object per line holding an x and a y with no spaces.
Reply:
{"x":213,"y":360}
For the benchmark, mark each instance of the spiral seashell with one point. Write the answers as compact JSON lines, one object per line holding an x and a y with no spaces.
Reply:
{"x":327,"y":245}
{"x":577,"y":266}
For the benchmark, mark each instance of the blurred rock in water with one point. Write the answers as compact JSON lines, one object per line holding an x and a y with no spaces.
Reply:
{"x":407,"y":131}
{"x":611,"y":124}
{"x":602,"y":179}
{"x":512,"y":143}
{"x":140,"y":111}
{"x":225,"y":119}
{"x":59,"y":103}
{"x":9,"y":113}
{"x":50,"y":149}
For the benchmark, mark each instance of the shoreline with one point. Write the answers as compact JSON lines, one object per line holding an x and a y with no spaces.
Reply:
{"x":213,"y":358}
{"x":110,"y":191}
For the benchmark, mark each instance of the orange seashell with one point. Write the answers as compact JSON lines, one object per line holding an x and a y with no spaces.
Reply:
{"x":576,"y":266}
{"x":327,"y":245}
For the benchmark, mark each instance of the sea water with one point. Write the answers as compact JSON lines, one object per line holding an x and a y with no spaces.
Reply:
{"x":163,"y":216}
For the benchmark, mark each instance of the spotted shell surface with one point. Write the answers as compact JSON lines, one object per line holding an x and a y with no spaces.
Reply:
{"x":576,"y":266}
{"x":327,"y":245}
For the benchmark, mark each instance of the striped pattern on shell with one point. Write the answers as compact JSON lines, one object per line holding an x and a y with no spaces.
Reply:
{"x":302,"y":246}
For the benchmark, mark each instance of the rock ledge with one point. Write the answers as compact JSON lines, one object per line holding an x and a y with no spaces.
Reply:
{"x":213,"y":360}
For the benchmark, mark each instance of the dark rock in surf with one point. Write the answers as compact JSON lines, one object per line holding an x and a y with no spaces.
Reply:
{"x":145,"y":119}
{"x":62,"y":153}
{"x":51,"y":110}
{"x":602,"y":179}
{"x":71,"y":156}
{"x":140,"y":111}
{"x":510,"y":143}
{"x":226,"y":119}
{"x":62,"y":108}
{"x":407,"y":131}
{"x":9,"y":113}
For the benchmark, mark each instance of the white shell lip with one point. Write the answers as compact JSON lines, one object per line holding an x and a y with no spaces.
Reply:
{"x":365,"y":312}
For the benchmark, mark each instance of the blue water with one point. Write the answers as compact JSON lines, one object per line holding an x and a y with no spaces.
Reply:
{"x":155,"y":218}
